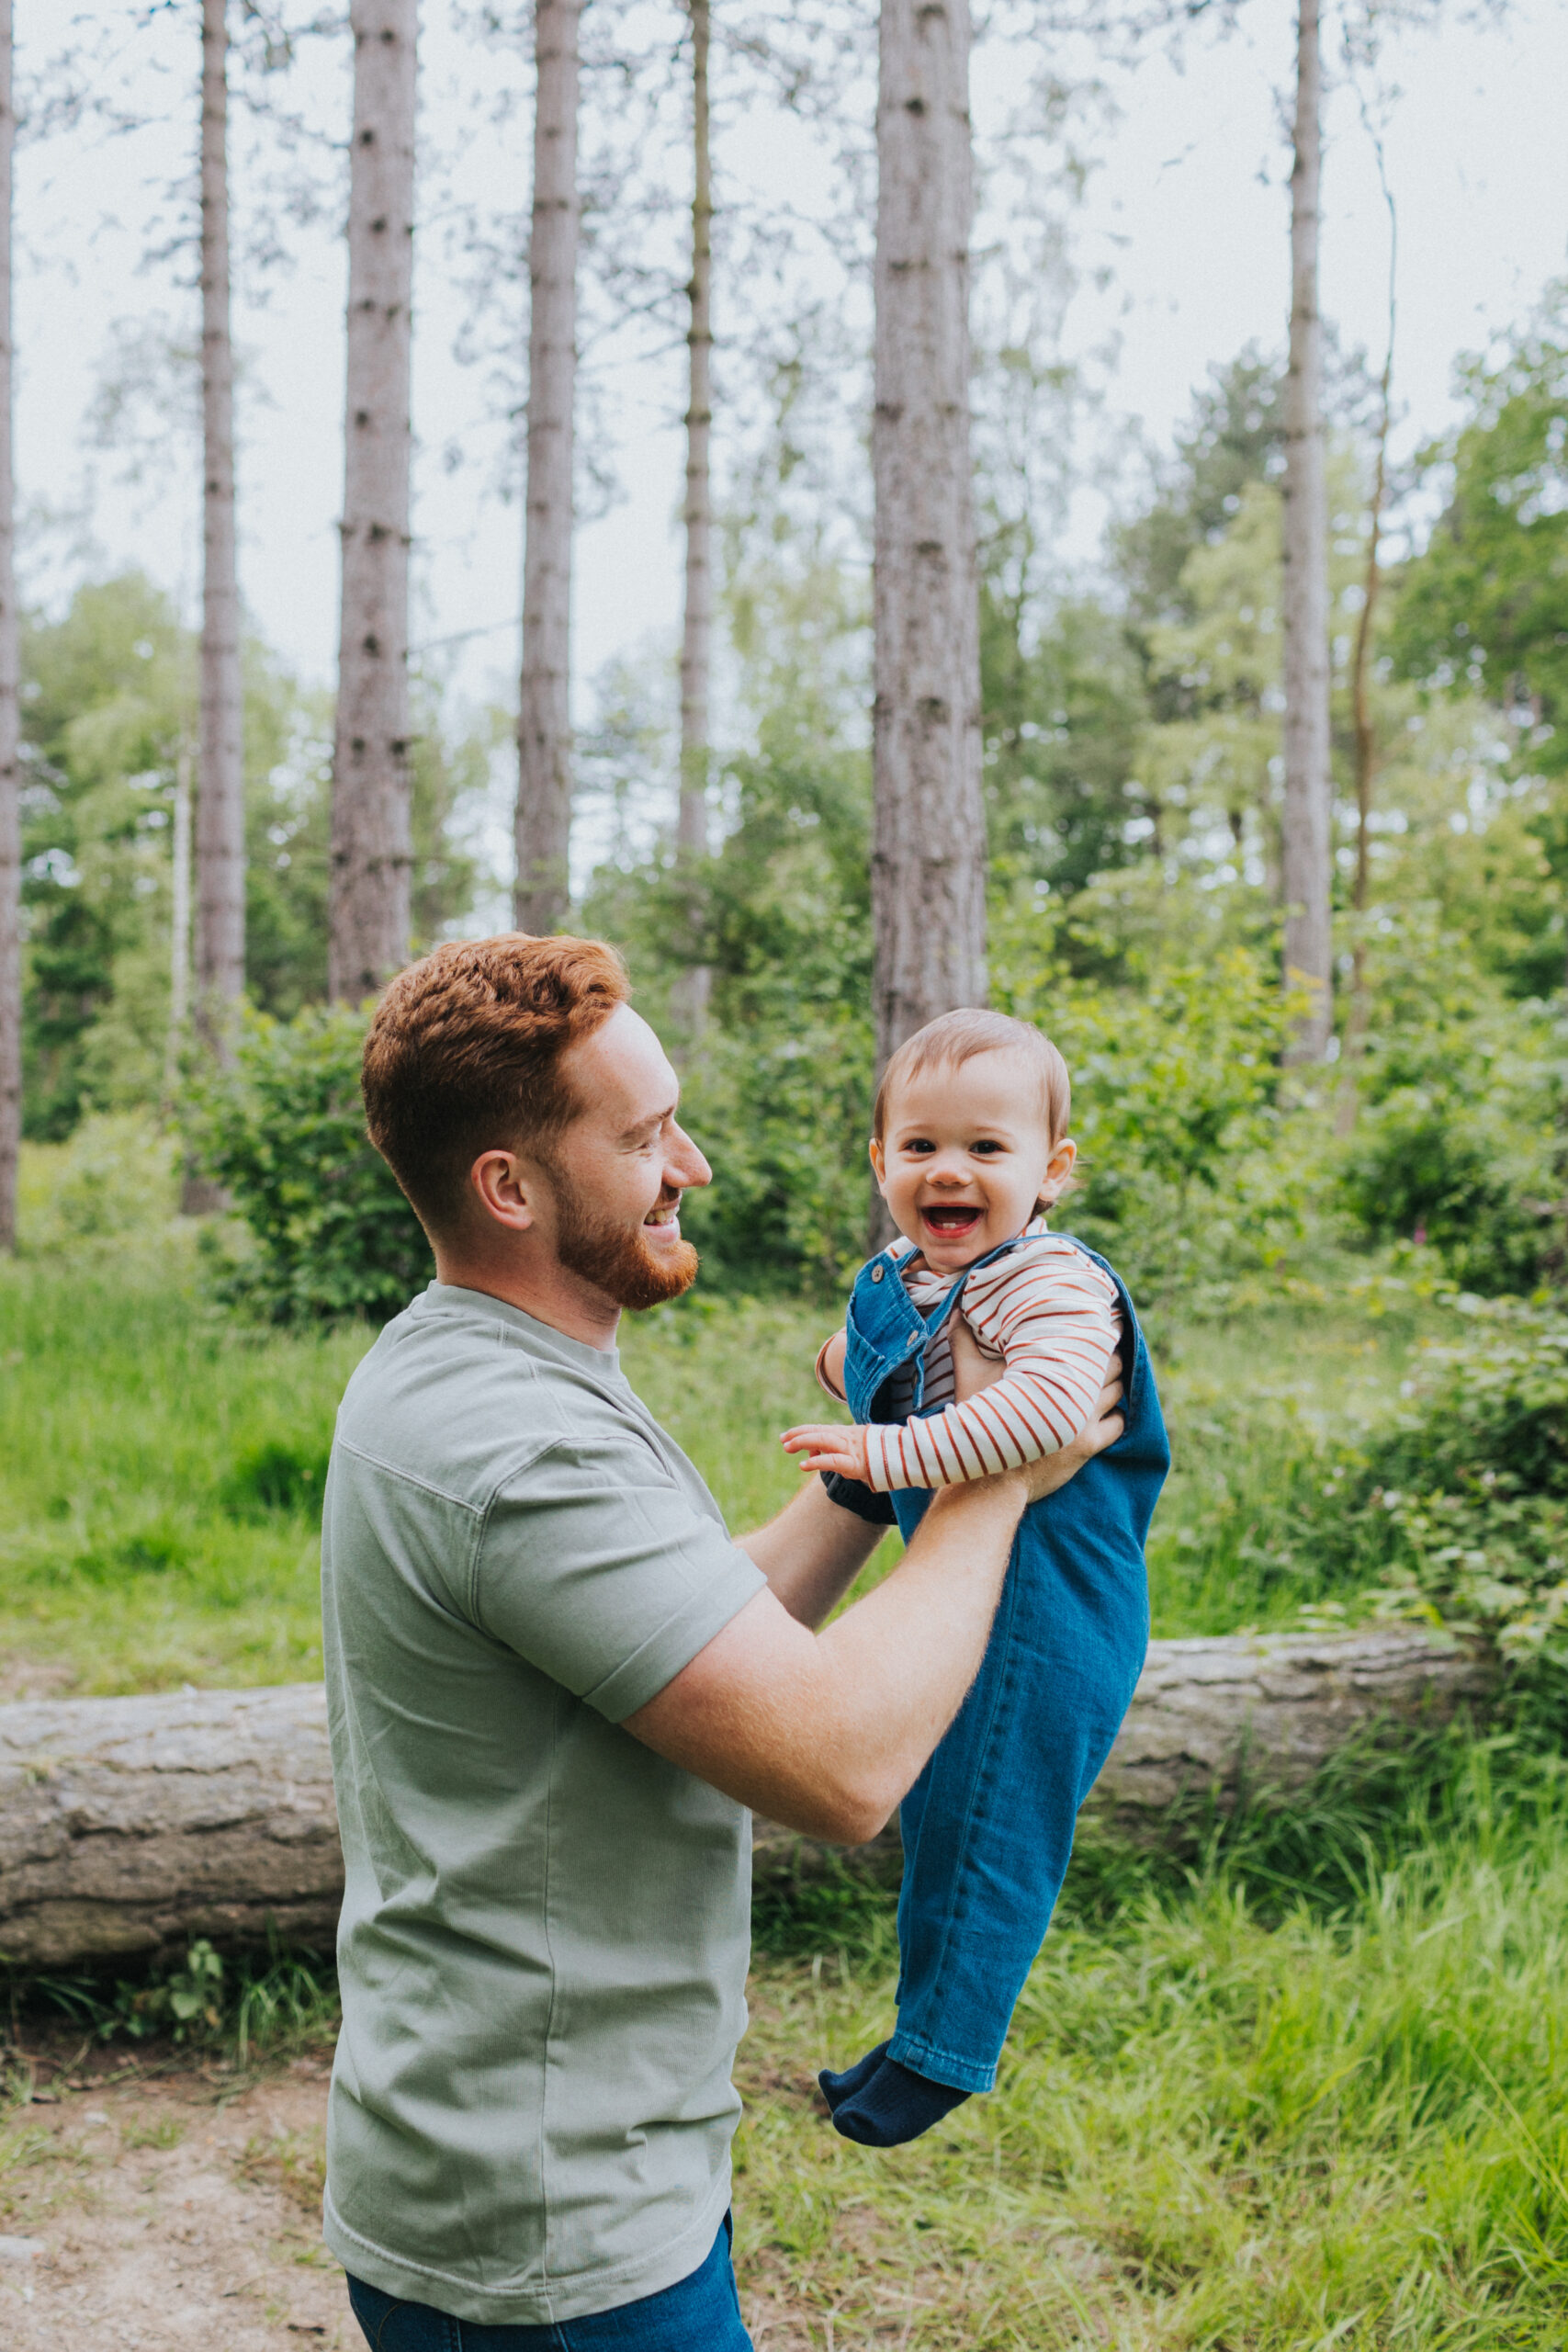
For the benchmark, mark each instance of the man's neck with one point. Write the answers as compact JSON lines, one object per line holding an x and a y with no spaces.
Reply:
{"x":549,"y":1294}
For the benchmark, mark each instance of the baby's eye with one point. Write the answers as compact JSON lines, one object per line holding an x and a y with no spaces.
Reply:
{"x":988,"y":1147}
{"x":920,"y":1144}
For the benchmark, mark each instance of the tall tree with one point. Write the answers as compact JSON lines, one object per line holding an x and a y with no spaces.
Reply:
{"x":221,"y":760}
{"x":371,"y":856}
{"x":697,"y":625}
{"x":10,"y":663}
{"x":1308,"y":789}
{"x":544,"y":714}
{"x":929,"y":841}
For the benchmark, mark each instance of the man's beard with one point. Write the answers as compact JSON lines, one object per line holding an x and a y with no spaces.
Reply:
{"x":615,"y":1258}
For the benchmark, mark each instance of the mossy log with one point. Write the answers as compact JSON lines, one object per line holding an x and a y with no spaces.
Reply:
{"x":130,"y":1825}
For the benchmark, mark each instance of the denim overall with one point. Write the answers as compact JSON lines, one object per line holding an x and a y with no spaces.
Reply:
{"x":987,"y":1828}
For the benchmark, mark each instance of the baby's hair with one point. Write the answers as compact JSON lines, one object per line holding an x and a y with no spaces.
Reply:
{"x":957,"y":1038}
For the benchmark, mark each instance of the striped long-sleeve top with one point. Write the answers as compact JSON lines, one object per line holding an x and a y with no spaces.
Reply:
{"x":1050,"y":1315}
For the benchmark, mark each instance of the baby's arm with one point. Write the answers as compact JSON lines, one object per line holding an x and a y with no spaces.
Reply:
{"x":1053,"y":1319}
{"x":823,"y":1446}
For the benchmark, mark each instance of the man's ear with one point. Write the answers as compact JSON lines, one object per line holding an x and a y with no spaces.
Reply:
{"x":506,"y":1189}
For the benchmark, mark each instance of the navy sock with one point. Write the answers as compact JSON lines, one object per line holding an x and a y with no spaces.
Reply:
{"x":894,"y":2105}
{"x":836,"y":2089}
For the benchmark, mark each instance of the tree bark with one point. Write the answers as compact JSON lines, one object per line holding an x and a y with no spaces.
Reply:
{"x":179,"y":929}
{"x":371,"y":856}
{"x":691,"y":840}
{"x":928,"y":838}
{"x":1361,"y":696}
{"x":129,"y":1825}
{"x":221,"y":771}
{"x":1308,"y":786}
{"x":544,"y":712}
{"x":10,"y":665}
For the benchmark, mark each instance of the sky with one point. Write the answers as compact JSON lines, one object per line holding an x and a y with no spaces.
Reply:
{"x":1181,"y":241}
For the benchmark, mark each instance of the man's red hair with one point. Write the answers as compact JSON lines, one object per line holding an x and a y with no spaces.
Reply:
{"x":464,"y":1054}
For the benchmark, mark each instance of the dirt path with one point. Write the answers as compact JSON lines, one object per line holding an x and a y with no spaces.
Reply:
{"x":168,"y":2209}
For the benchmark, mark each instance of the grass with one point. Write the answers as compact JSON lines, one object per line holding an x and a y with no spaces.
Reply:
{"x":1303,"y":2087}
{"x":1220,"y":2122}
{"x":161,"y":1464}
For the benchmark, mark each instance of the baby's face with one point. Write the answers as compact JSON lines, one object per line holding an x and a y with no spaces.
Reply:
{"x":966,"y":1155}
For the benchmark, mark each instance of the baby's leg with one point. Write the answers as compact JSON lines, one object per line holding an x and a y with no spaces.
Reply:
{"x":988,"y":1827}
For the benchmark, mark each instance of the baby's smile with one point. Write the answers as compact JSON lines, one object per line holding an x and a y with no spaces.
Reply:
{"x":953,"y":1220}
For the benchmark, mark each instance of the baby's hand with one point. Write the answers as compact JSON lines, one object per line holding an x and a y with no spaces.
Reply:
{"x":824,"y":1447}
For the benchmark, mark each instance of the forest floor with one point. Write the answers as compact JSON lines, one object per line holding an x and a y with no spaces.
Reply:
{"x":156,"y":2201}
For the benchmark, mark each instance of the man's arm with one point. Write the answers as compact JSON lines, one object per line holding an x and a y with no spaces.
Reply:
{"x":812,"y":1552}
{"x":825,"y":1732}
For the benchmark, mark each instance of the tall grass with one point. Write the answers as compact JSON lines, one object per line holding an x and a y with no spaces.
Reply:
{"x":1288,"y":2122}
{"x":161,"y":1462}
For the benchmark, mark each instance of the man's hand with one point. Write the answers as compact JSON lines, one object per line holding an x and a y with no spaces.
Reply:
{"x":826,"y":1446}
{"x":1054,"y":1470}
{"x":825,"y":1732}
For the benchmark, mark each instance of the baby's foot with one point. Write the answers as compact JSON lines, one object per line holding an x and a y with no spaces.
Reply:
{"x":894,"y":2104}
{"x":836,"y":2089}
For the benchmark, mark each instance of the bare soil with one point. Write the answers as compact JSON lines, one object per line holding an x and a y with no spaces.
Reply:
{"x":156,"y":2204}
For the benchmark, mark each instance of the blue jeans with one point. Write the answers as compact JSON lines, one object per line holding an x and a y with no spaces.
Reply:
{"x":701,"y":2314}
{"x":987,"y":1828}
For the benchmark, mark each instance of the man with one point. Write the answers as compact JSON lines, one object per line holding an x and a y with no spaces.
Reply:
{"x":556,"y":1686}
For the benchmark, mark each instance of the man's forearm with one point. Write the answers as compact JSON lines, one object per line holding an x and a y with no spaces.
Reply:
{"x":824,"y":1733}
{"x":812,"y":1552}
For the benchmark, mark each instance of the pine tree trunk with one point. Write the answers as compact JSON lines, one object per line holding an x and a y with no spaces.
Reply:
{"x":371,"y":854}
{"x":1308,"y":789}
{"x":691,"y":995}
{"x":220,"y":769}
{"x":10,"y":662}
{"x":928,"y":846}
{"x":544,"y":715}
{"x":179,"y":932}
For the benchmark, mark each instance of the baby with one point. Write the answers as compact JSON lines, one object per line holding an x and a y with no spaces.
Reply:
{"x":970,"y":1150}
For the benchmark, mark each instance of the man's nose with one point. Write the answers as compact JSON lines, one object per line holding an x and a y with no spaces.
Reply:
{"x":686,"y":1167}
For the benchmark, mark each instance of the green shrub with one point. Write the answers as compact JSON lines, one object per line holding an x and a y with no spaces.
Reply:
{"x":1458,"y":1144}
{"x":283,"y":1130}
{"x":1191,"y":1177}
{"x":116,"y":1178}
{"x":1457,"y":1510}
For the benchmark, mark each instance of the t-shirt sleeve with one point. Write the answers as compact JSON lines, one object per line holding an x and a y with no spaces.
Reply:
{"x":595,"y":1567}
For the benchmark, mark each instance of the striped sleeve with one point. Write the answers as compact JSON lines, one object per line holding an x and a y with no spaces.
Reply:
{"x":1052,"y":1315}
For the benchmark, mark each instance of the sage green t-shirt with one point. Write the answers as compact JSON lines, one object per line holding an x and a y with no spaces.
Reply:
{"x":543,"y":1938}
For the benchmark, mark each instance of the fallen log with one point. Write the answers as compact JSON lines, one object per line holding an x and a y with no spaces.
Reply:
{"x":128,"y":1827}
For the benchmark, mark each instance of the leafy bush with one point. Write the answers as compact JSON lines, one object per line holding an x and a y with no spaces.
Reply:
{"x":1457,"y":1510}
{"x":116,"y":1177}
{"x":1458,"y":1144}
{"x":283,"y":1131}
{"x":1190,"y":1175}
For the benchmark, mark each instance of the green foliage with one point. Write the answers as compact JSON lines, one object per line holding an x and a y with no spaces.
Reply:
{"x":1458,"y":1145}
{"x":1458,"y":1508}
{"x":283,"y":1130}
{"x":1186,"y":1182}
{"x":252,"y":2005}
{"x":1486,"y":608}
{"x":116,"y":1178}
{"x":109,"y":699}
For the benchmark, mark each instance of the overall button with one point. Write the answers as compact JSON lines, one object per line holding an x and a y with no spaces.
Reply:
{"x":878,"y":1273}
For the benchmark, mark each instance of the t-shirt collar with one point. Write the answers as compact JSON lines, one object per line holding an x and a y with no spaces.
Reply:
{"x":448,"y":1298}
